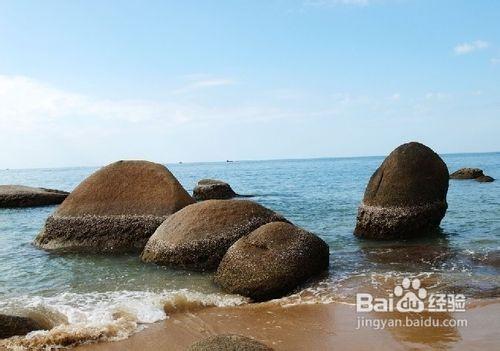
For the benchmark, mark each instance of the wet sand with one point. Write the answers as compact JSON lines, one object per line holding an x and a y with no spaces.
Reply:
{"x":315,"y":327}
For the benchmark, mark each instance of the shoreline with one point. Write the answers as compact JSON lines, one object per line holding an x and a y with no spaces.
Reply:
{"x":313,"y":327}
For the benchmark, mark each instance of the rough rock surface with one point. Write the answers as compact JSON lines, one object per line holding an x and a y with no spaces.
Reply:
{"x":26,"y":196}
{"x":211,"y":189}
{"x":13,"y":325}
{"x":228,"y":342}
{"x":467,"y":173}
{"x":406,"y":196}
{"x":272,"y":261}
{"x":199,"y":235}
{"x":116,"y":209}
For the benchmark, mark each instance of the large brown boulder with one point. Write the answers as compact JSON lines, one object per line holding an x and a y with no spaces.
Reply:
{"x":406,"y":196}
{"x":272,"y":261}
{"x":199,"y":235}
{"x":116,"y":209}
{"x":13,"y":325}
{"x":211,"y":189}
{"x":467,"y":173}
{"x":228,"y":342}
{"x":26,"y":196}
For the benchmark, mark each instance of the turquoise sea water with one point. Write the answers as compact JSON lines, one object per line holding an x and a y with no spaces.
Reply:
{"x":320,"y":195}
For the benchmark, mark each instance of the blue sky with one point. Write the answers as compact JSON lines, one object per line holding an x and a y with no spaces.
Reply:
{"x":90,"y":82}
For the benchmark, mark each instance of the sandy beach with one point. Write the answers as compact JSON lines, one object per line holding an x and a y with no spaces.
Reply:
{"x":313,"y":327}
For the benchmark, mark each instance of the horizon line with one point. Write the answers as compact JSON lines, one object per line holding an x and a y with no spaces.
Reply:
{"x":234,"y":161}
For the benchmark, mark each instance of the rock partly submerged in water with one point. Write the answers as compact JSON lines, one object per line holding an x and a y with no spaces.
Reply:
{"x":272,"y":261}
{"x":472,"y":173}
{"x":212,"y":189}
{"x":12,"y":196}
{"x":228,"y":342}
{"x":485,"y":179}
{"x":14,"y":325}
{"x":467,"y":173}
{"x":199,"y":235}
{"x":406,"y":196}
{"x":116,"y":209}
{"x":419,"y":255}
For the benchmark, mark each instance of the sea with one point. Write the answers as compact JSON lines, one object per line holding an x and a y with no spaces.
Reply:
{"x":90,"y":295}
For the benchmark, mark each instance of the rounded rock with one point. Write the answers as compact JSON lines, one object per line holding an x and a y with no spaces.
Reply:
{"x":467,"y":173}
{"x":199,"y":235}
{"x":406,"y":196}
{"x":14,"y":325}
{"x":211,"y":189}
{"x":116,"y":209}
{"x":12,"y":196}
{"x":228,"y":342}
{"x":271,"y":261}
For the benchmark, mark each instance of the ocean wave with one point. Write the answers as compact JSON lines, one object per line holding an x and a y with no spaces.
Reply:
{"x":72,"y":318}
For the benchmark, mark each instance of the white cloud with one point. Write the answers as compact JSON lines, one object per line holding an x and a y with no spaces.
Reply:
{"x":466,"y":48}
{"x":437,"y":96}
{"x":198,"y":82}
{"x":495,"y":61}
{"x":43,"y":125}
{"x":28,"y":104}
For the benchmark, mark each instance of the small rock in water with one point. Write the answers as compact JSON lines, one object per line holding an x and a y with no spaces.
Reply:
{"x":416,"y":255}
{"x":14,"y":325}
{"x":485,"y":179}
{"x":271,"y":261}
{"x":26,"y":196}
{"x":212,"y":189}
{"x":467,"y":173}
{"x":406,"y":196}
{"x":228,"y":342}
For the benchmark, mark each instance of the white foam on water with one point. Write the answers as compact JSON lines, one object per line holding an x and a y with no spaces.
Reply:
{"x":73,"y":318}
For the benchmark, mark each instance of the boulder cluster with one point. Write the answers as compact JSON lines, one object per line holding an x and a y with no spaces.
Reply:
{"x":472,"y":173}
{"x":198,"y":236}
{"x":140,"y":206}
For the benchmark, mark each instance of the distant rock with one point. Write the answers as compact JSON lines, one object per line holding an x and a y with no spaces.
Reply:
{"x":211,"y":189}
{"x":199,"y":235}
{"x":467,"y":173}
{"x":228,"y":342}
{"x":26,"y":196}
{"x":116,"y":209}
{"x":13,"y":325}
{"x":485,"y":179}
{"x":472,"y":173}
{"x":406,"y":196}
{"x":272,"y":261}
